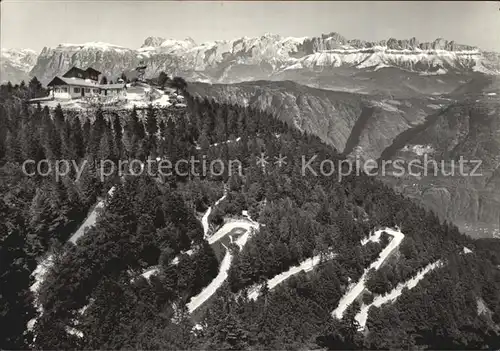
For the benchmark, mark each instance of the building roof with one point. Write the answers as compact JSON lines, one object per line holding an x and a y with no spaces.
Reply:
{"x":91,"y":70}
{"x":81,"y":73}
{"x":75,"y":69}
{"x":73,"y":81}
{"x":112,"y":86}
{"x":84,"y":83}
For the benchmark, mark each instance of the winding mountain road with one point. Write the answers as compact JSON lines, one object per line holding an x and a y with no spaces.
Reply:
{"x":362,"y":315}
{"x":355,"y":290}
{"x":216,"y":283}
{"x":245,"y":224}
{"x":204,"y":219}
{"x":305,"y":266}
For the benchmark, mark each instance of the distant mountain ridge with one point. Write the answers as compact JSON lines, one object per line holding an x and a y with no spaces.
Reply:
{"x":266,"y":57}
{"x":16,"y":64}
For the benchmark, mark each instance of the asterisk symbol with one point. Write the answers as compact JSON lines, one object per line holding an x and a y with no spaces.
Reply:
{"x":262,"y":160}
{"x":280,"y":160}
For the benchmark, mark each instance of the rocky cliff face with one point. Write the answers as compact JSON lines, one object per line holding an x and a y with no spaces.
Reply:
{"x":265,"y":57}
{"x":336,"y":41}
{"x":370,"y":122}
{"x":104,"y":57}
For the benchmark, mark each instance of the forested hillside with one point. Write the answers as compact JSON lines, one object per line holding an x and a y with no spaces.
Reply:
{"x":439,"y":124}
{"x":94,"y":295}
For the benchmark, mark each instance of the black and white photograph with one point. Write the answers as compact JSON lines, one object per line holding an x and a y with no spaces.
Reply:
{"x":249,"y":175}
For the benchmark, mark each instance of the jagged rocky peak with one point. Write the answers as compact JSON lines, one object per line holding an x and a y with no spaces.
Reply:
{"x":325,"y":42}
{"x":153,"y":41}
{"x":442,"y":44}
{"x":157,"y":42}
{"x":335,"y":40}
{"x":45,"y":50}
{"x":271,"y":36}
{"x":190,"y":40}
{"x":413,"y":44}
{"x":334,"y":36}
{"x":27,"y":56}
{"x":16,"y":63}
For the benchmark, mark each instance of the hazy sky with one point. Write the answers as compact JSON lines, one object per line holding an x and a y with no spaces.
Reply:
{"x":35,"y":24}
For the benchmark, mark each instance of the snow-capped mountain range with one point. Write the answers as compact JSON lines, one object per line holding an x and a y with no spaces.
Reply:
{"x":266,"y":57}
{"x":16,"y":63}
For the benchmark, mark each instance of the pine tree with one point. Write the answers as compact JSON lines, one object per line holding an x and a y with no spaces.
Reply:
{"x":151,"y":125}
{"x":86,"y":132}
{"x":23,"y":90}
{"x":96,"y":132}
{"x":225,"y":330}
{"x":3,"y":130}
{"x":68,"y":143}
{"x":161,"y":128}
{"x":50,"y":140}
{"x":35,"y":88}
{"x":124,"y":77}
{"x":104,"y":151}
{"x":43,"y":215}
{"x":204,"y":143}
{"x":30,"y":147}
{"x":162,"y":79}
{"x":141,"y":131}
{"x":134,"y":125}
{"x":76,"y":134}
{"x":15,"y":266}
{"x":143,"y":150}
{"x":99,"y":122}
{"x":129,"y":143}
{"x":89,"y":183}
{"x":242,"y":122}
{"x":179,"y":84}
{"x":350,"y":325}
{"x":59,"y":118}
{"x":118,"y":134}
{"x":45,"y":113}
{"x":232,"y":121}
{"x":13,"y":151}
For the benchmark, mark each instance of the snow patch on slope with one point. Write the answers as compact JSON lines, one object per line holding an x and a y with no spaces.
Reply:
{"x":419,"y":149}
{"x":93,"y":45}
{"x":385,"y":106}
{"x":467,"y":250}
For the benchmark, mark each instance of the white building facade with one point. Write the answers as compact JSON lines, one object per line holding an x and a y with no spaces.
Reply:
{"x":77,"y":83}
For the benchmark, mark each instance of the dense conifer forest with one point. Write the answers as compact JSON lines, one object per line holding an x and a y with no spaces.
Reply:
{"x":151,"y":219}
